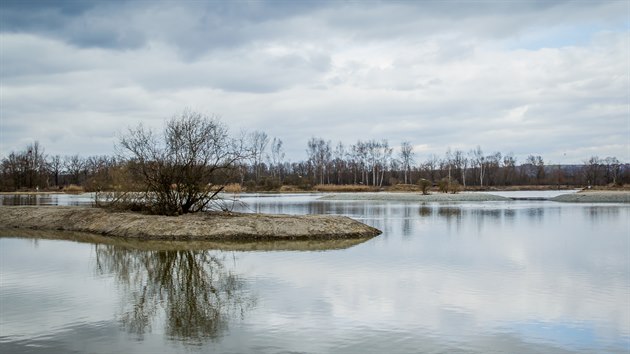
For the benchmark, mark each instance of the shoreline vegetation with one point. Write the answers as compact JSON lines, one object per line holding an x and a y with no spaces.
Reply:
{"x":593,"y":195}
{"x":235,"y":188}
{"x":214,"y":226}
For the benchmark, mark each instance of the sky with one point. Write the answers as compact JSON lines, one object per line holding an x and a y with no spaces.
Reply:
{"x":549,"y":78}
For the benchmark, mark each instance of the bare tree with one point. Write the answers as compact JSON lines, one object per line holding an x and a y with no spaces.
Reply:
{"x":480,"y":162}
{"x":406,"y":158}
{"x":56,"y":167}
{"x":180,"y":166}
{"x":258,"y":143}
{"x":385,"y":153}
{"x":536,"y":164}
{"x":12,"y":171}
{"x":339,"y":162}
{"x":430,"y":165}
{"x":461,"y":165}
{"x":74,"y":164}
{"x":613,"y":169}
{"x":592,"y":170}
{"x":319,"y":155}
{"x":493,"y":164}
{"x":359,"y":157}
{"x":276,"y":158}
{"x":509,"y":168}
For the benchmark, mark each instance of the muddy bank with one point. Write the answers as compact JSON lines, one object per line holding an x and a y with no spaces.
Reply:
{"x":417,"y":197}
{"x":594,"y":197}
{"x":200,"y":226}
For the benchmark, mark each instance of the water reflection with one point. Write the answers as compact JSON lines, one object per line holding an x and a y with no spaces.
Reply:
{"x":26,"y":199}
{"x":46,"y":199}
{"x":492,"y":215}
{"x":167,"y":245}
{"x":193,"y":290}
{"x":507,"y":277}
{"x":601,"y":214}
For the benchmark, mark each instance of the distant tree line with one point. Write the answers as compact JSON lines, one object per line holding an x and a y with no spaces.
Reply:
{"x":256,"y":162}
{"x":375,"y":163}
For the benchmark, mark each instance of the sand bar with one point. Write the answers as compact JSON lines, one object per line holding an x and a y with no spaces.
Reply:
{"x":199,"y":226}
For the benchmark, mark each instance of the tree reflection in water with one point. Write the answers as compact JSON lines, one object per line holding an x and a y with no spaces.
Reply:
{"x":197,"y":293}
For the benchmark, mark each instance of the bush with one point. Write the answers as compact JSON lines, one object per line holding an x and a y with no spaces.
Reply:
{"x":186,"y":166}
{"x":424,"y":184}
{"x":454,"y":187}
{"x":446,"y":186}
{"x":270,"y":184}
{"x":443,"y":185}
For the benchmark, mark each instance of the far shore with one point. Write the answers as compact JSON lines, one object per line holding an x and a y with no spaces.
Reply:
{"x":353,"y":188}
{"x":417,"y":197}
{"x":200,"y":226}
{"x":594,"y":196}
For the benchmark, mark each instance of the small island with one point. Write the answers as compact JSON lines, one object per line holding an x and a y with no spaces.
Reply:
{"x":215,"y":226}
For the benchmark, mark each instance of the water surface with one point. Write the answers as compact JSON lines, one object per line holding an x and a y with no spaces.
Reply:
{"x":527,"y":277}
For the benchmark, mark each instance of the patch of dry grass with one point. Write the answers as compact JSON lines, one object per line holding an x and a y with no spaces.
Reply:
{"x":611,"y":187}
{"x":344,"y":188}
{"x":527,"y":187}
{"x":233,"y":188}
{"x":404,"y":188}
{"x":289,"y":188}
{"x":73,"y":189}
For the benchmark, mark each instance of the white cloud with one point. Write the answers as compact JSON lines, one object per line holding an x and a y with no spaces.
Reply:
{"x":398,"y":72}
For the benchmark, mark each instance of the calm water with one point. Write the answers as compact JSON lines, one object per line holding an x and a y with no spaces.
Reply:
{"x":510,"y":277}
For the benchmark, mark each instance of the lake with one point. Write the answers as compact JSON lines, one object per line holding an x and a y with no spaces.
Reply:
{"x":493,"y":277}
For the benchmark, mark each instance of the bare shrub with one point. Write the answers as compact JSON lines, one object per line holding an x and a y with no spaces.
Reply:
{"x":443,"y":185}
{"x":184,"y":167}
{"x":424,"y":184}
{"x":454,"y":186}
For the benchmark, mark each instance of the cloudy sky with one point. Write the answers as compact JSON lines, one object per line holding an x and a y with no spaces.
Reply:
{"x":528,"y":77}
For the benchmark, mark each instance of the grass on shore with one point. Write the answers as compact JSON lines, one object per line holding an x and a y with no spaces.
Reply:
{"x":344,"y":188}
{"x":73,"y":189}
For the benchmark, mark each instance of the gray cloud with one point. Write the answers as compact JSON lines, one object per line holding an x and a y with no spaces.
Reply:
{"x":530,"y":77}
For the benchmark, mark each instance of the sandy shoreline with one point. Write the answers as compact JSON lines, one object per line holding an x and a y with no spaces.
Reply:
{"x":417,"y":197}
{"x":200,"y":226}
{"x":580,"y":197}
{"x":594,"y":197}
